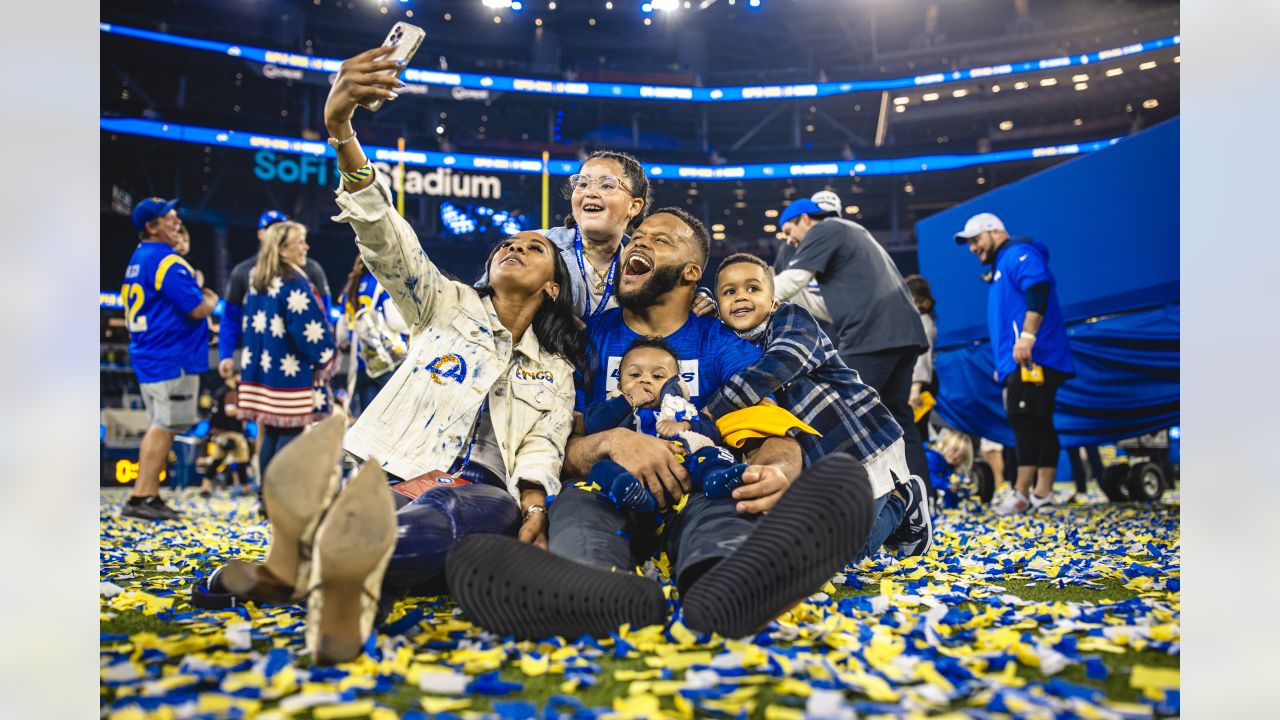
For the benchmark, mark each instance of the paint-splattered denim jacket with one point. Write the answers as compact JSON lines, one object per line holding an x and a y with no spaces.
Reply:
{"x":459,"y":356}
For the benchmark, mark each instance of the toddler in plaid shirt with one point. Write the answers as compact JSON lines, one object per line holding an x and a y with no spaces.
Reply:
{"x":802,"y":370}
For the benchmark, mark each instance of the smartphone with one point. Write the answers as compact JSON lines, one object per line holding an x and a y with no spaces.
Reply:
{"x":406,"y":38}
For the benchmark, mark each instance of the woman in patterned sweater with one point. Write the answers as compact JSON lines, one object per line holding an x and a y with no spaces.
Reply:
{"x":289,"y":352}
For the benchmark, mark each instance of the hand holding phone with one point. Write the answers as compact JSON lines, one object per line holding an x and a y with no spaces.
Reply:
{"x":403,"y":41}
{"x":369,"y":79}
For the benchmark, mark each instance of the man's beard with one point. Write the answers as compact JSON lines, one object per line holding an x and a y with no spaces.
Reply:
{"x":662,"y":280}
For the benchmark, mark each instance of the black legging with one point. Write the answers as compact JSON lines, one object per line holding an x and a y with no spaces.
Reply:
{"x":1030,"y":408}
{"x":1037,"y":440}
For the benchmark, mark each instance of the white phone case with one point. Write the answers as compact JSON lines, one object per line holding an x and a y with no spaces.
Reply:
{"x":406,"y":38}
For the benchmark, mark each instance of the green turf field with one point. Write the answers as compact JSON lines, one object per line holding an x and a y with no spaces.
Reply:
{"x":1073,"y":611}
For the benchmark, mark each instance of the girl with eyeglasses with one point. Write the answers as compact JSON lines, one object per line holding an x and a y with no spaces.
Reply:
{"x":609,"y":196}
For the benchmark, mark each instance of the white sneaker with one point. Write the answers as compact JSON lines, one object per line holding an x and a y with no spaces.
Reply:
{"x":1038,"y":503}
{"x":1014,"y":502}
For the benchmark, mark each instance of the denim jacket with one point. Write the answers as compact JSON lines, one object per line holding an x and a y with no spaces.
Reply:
{"x":460,"y":355}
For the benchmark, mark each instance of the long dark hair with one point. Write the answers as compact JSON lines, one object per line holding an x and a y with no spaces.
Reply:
{"x":920,"y":293}
{"x":352,"y":291}
{"x":637,"y":183}
{"x":556,"y":322}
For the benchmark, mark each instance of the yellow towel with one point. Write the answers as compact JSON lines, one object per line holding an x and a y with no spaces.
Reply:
{"x":927,"y":402}
{"x":759,"y":421}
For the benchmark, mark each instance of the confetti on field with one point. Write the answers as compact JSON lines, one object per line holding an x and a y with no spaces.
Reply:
{"x":1075,"y":612}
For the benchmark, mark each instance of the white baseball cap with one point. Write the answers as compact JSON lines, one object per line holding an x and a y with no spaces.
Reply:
{"x":828,"y":201}
{"x":977,"y":225}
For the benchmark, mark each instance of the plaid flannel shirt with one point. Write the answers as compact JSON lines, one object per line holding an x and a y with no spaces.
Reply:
{"x":802,"y":370}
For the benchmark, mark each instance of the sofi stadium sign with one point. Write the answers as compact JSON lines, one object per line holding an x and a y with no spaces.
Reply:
{"x":441,"y":182}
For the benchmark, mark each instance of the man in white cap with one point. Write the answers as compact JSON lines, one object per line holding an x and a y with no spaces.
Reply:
{"x":1032,"y":357}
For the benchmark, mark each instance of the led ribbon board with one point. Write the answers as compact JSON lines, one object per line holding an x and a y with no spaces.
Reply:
{"x":531,"y":166}
{"x":631,"y":91}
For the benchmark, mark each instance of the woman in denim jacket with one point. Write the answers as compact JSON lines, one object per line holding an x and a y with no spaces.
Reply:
{"x":479,"y":412}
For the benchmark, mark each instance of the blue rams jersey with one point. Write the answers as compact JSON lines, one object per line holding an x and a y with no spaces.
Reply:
{"x":159,"y":290}
{"x":369,"y":294}
{"x":710,"y":353}
{"x":1018,"y":266}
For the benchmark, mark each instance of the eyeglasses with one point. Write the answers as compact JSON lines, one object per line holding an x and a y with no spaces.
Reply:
{"x":606,"y":185}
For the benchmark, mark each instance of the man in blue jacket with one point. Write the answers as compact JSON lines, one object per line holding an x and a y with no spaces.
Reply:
{"x":1032,"y":357}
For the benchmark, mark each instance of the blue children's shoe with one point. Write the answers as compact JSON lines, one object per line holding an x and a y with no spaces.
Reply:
{"x":713,"y":470}
{"x":624,"y":489}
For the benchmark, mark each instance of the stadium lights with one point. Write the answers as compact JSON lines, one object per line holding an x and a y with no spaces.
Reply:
{"x":665,"y":5}
{"x":899,"y":108}
{"x":901,"y":100}
{"x":1177,"y":59}
{"x":1115,"y":71}
{"x":1082,"y":77}
{"x":754,"y":3}
{"x":496,"y":3}
{"x":1151,"y":104}
{"x":1048,"y":82}
{"x":959,"y":93}
{"x":1021,"y":85}
{"x":608,"y":6}
{"x":1006,"y":125}
{"x":929,"y":97}
{"x":1148,"y":65}
{"x":646,"y":8}
{"x":995,"y":88}
{"x":852,"y":210}
{"x":1082,"y":86}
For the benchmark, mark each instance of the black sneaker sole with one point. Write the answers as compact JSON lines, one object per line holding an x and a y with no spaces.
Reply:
{"x":816,"y":528}
{"x":512,"y":588}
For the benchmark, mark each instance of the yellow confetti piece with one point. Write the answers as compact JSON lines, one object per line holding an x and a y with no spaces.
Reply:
{"x":781,"y":712}
{"x":359,"y":709}
{"x":435,"y":705}
{"x":680,"y":661}
{"x":535,"y":665}
{"x":1144,"y":677}
{"x":637,"y":706}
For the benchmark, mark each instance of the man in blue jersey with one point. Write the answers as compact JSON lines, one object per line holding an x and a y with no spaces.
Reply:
{"x":1032,"y":356}
{"x":735,"y":567}
{"x":165,"y":311}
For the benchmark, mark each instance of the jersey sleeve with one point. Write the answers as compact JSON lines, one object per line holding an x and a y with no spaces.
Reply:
{"x":176,"y":281}
{"x":732,"y":354}
{"x":1028,"y":268}
{"x":817,"y":249}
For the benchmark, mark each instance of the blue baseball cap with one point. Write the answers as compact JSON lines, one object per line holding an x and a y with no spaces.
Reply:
{"x":150,"y":209}
{"x":270,"y":218}
{"x":798,"y":208}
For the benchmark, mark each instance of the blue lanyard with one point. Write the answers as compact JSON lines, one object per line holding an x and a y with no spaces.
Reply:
{"x":475,"y":433}
{"x":586,"y":284}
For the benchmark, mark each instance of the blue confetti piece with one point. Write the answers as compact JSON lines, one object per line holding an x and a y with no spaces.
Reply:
{"x":410,"y":621}
{"x":516,"y":709}
{"x":1095,"y":669}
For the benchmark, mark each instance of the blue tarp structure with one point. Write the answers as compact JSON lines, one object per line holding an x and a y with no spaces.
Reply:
{"x":1111,"y":222}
